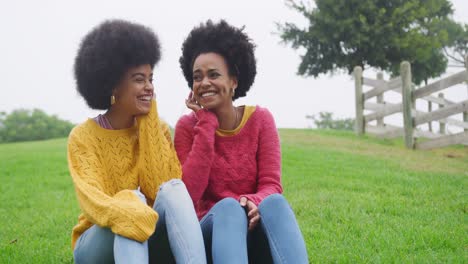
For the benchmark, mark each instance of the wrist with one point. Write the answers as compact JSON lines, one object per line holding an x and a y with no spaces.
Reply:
{"x":204,"y":115}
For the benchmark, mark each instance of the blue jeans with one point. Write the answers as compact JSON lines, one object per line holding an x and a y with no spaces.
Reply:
{"x":276,"y":238}
{"x":177,"y":238}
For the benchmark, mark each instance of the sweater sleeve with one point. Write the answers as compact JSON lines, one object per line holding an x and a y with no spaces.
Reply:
{"x":157,"y":160}
{"x":195,"y":149}
{"x":167,"y":133}
{"x":268,"y":160}
{"x":123,"y":213}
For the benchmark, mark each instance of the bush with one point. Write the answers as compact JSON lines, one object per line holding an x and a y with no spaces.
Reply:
{"x":326,"y":121}
{"x":26,"y":125}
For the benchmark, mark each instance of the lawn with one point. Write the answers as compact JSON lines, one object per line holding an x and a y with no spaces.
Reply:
{"x":356,"y":199}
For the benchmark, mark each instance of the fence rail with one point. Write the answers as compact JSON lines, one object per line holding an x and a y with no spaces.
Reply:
{"x":412,"y":118}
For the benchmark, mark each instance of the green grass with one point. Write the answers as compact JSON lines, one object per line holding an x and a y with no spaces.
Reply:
{"x":369,"y":200}
{"x":38,"y":205}
{"x":356,"y":200}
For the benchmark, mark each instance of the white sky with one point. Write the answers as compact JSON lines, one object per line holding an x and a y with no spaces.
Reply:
{"x":39,"y":40}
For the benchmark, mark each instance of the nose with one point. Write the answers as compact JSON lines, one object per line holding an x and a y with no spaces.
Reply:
{"x":149,"y":86}
{"x":205,"y":82}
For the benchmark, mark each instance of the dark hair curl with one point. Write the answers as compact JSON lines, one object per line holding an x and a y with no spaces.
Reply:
{"x":228,"y":41}
{"x":106,"y":53}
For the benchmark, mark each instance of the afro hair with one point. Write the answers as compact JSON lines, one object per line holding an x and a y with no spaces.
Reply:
{"x":106,"y":53}
{"x":228,"y":41}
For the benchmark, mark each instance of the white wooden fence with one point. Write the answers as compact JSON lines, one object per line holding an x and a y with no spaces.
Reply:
{"x":412,"y":117}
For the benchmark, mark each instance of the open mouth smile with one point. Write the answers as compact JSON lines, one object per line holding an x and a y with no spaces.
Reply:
{"x":145,"y":98}
{"x":207,"y":94}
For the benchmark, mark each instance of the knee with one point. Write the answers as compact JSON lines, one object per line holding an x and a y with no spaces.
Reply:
{"x":172,"y":186}
{"x":230,"y":208}
{"x":229,"y":203}
{"x":174,"y":193}
{"x":273,"y":201}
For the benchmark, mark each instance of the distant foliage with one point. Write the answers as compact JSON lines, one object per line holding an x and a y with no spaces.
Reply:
{"x":26,"y":125}
{"x":326,"y":121}
{"x":456,"y":53}
{"x":342,"y":34}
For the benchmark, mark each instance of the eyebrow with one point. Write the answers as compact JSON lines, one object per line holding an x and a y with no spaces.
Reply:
{"x":209,"y":70}
{"x":140,"y":74}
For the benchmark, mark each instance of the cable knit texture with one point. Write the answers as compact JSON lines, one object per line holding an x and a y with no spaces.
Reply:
{"x":215,"y":167}
{"x":107,"y":165}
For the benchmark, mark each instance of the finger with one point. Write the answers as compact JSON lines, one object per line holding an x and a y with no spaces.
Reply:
{"x":192,"y":105}
{"x":189,"y":104}
{"x":243,"y":201}
{"x":252,"y":213}
{"x":251,"y":205}
{"x":255,"y":219}
{"x":253,"y":222}
{"x":190,"y":96}
{"x":193,"y":102}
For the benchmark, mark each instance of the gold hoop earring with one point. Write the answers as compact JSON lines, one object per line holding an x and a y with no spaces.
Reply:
{"x":112,"y":99}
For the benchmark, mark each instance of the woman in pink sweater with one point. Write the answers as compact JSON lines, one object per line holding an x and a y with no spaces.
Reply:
{"x":231,"y":156}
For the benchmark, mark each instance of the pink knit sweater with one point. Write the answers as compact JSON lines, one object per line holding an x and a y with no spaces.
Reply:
{"x":215,"y":167}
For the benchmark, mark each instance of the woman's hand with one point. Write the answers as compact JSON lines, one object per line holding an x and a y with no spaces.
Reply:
{"x":252,"y":212}
{"x":191,"y":103}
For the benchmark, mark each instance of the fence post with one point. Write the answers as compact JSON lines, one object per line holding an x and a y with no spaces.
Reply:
{"x":465,"y":114}
{"x":441,"y":125}
{"x":429,"y":109}
{"x":465,"y":119}
{"x":407,"y":100}
{"x":359,"y":125}
{"x":380,"y":100}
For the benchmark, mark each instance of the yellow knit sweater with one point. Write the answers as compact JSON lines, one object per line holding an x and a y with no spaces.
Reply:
{"x":107,"y":165}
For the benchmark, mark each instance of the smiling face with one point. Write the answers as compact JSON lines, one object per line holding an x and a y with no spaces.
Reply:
{"x":212,"y":83}
{"x":134,"y":92}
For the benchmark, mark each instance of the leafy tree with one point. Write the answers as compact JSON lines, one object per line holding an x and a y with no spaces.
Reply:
{"x":343,"y":34}
{"x":25,"y":125}
{"x":458,"y":35}
{"x":326,"y":121}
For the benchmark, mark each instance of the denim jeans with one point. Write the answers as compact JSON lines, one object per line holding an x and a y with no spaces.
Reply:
{"x":276,"y":239}
{"x":177,"y":238}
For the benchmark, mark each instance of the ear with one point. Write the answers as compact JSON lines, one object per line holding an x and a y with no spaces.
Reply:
{"x":234,"y":82}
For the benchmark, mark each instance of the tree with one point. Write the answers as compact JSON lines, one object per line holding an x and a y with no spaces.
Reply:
{"x":343,"y":34}
{"x":24,"y":125}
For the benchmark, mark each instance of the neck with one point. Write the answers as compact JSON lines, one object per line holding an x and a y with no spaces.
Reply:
{"x":119,"y":119}
{"x":227,"y":117}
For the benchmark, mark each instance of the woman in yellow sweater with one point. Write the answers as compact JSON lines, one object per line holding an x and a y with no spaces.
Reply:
{"x":134,"y":207}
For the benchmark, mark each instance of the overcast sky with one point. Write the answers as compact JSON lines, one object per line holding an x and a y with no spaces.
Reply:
{"x":39,"y":40}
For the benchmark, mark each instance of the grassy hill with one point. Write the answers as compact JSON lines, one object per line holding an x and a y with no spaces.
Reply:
{"x":356,"y":199}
